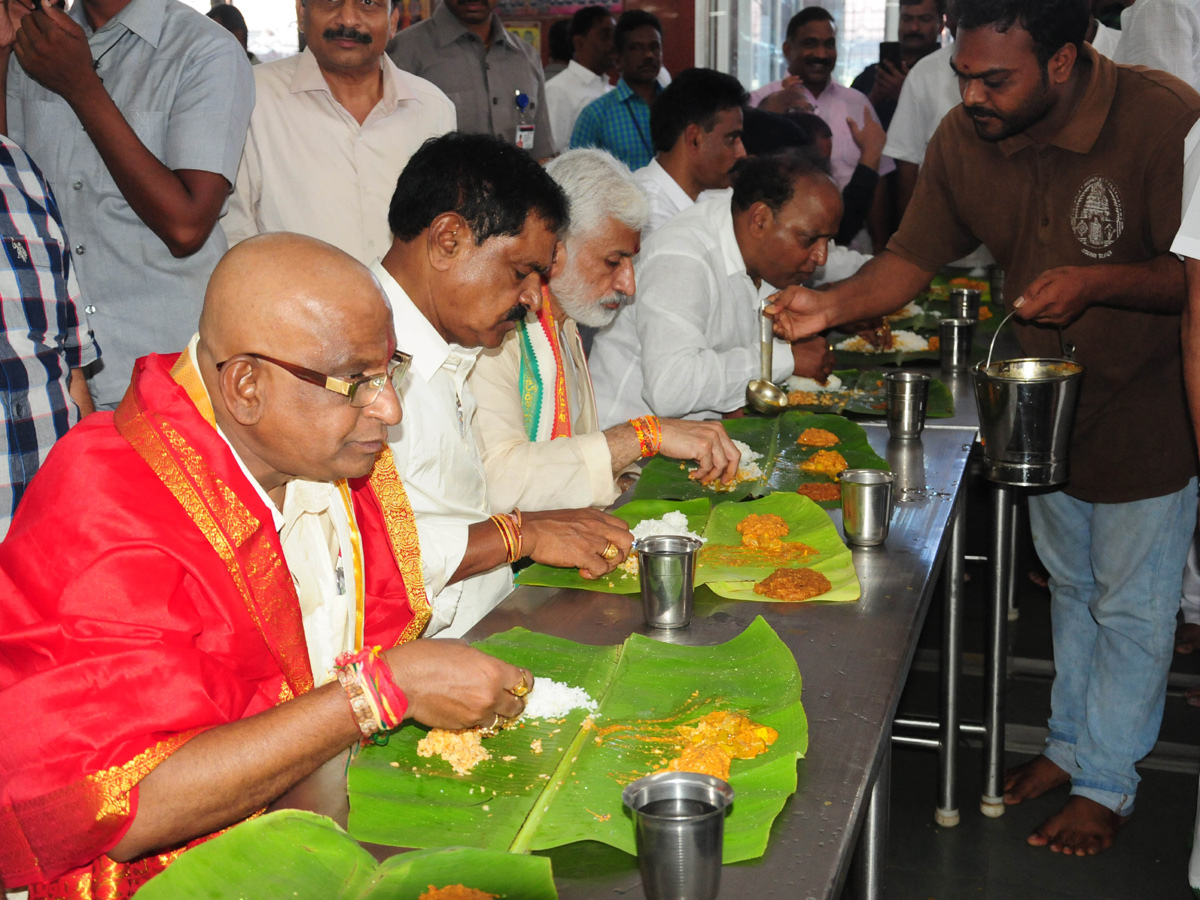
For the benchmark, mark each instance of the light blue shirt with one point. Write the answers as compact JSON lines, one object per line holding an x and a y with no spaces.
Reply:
{"x":184,"y":85}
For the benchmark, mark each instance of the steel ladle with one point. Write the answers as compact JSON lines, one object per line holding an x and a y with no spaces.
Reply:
{"x":762,"y":394}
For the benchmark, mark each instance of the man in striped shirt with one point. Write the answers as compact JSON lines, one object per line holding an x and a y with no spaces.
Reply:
{"x":44,"y":342}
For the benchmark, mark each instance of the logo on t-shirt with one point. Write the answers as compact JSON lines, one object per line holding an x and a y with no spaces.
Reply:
{"x":1096,"y":216}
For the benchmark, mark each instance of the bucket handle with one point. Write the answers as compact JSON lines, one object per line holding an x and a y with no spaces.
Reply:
{"x":995,"y":335}
{"x":1067,"y":348}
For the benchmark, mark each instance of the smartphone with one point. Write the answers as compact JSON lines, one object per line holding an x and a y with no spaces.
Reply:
{"x":889,"y":52}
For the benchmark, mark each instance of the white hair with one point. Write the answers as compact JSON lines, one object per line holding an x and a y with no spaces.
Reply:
{"x":598,"y":187}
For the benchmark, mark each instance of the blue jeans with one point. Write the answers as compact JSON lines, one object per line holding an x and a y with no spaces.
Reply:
{"x":1116,"y":570}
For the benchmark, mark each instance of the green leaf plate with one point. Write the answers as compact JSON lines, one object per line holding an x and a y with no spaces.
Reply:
{"x":300,"y":855}
{"x":809,"y":524}
{"x":775,"y":438}
{"x":618,"y":581}
{"x":571,"y":791}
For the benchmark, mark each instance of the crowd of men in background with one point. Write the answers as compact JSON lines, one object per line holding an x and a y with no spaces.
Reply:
{"x":573,"y":272}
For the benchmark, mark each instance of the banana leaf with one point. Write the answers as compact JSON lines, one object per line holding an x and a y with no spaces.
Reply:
{"x":775,"y":438}
{"x":571,"y":791}
{"x":785,"y":473}
{"x":870,"y":397}
{"x":667,"y":479}
{"x":301,"y":855}
{"x":850,"y":359}
{"x":618,"y":581}
{"x":808,"y":524}
{"x":833,"y":401}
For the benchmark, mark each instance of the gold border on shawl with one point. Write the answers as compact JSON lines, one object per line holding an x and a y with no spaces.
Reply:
{"x":402,"y":535}
{"x":237,"y":524}
{"x":110,"y":788}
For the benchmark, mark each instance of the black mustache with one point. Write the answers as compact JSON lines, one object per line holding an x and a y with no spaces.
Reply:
{"x":978,"y":112}
{"x":813,"y":61}
{"x":342,"y":32}
{"x":516,"y":314}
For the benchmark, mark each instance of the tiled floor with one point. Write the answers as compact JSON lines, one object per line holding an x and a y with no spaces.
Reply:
{"x":988,"y":858}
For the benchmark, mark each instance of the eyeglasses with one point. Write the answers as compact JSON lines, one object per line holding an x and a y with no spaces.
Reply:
{"x":361,"y":393}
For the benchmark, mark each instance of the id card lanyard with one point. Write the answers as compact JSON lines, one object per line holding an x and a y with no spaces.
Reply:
{"x":525,"y":126}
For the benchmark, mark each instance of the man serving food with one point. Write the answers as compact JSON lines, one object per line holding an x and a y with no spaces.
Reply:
{"x":1049,"y":163}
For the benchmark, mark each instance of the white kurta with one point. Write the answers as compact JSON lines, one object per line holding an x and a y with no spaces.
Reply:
{"x":689,"y":343}
{"x":441,"y":466}
{"x":566,"y":473}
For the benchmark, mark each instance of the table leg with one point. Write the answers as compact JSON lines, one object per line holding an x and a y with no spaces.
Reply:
{"x":946,"y":814}
{"x":1014,"y":529}
{"x":870,"y":857}
{"x":992,"y":801}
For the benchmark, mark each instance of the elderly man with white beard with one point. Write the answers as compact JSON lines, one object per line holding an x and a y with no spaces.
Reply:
{"x":537,"y":423}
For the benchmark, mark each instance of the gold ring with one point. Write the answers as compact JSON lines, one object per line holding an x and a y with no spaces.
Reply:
{"x":494,"y":729}
{"x":610,"y":551}
{"x":522,"y":688}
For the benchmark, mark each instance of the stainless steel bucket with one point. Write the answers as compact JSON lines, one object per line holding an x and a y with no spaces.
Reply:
{"x":1026,"y":409}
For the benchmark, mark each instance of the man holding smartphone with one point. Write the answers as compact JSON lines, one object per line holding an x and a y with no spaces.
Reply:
{"x":921,"y":23}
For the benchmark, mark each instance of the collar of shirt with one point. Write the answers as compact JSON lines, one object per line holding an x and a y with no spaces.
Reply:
{"x":449,"y":29}
{"x":721,"y":213}
{"x":623,"y":91}
{"x":586,"y":76}
{"x":309,"y":77}
{"x":276,"y":515}
{"x":143,"y":17}
{"x":1081,"y":131}
{"x":662,"y":179}
{"x":430,"y":351}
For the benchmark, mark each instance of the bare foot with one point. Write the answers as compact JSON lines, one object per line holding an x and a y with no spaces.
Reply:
{"x":1187,"y":638}
{"x":1192,"y":695}
{"x":1032,"y":779}
{"x":1082,"y":828}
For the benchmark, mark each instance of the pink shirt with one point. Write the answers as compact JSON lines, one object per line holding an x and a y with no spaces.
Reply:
{"x":835,"y":104}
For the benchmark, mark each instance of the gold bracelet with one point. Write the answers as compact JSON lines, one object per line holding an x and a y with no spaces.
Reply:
{"x":364,"y":715}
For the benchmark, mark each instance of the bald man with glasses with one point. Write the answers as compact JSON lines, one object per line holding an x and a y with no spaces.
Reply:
{"x":202,"y":626}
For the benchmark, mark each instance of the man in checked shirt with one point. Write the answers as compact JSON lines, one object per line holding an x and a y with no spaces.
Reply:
{"x":44,"y":344}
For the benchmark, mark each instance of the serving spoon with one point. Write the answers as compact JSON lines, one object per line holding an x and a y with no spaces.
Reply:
{"x":762,"y":394}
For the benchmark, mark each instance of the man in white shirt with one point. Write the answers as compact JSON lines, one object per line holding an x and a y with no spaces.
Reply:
{"x":696,"y":127}
{"x":537,"y":420}
{"x":1162,"y":34}
{"x":690,"y":343}
{"x":475,"y":222}
{"x":586,"y":76}
{"x":811,"y":51}
{"x":331,"y":131}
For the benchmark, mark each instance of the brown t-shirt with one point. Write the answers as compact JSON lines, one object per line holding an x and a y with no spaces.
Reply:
{"x":1106,"y":190}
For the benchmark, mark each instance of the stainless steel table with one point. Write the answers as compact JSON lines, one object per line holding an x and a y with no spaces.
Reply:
{"x":854,"y":658}
{"x":1000,"y":560}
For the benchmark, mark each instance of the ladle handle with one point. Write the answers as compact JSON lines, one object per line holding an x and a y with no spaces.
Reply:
{"x":766,"y":344}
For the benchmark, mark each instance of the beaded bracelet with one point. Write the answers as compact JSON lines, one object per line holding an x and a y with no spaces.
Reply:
{"x":509,"y":525}
{"x":377,"y":702}
{"x":649,"y":434}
